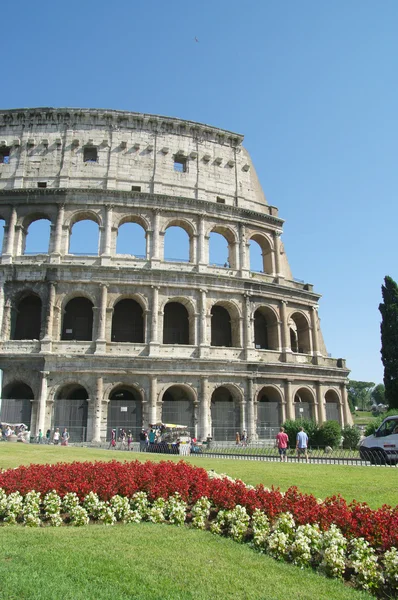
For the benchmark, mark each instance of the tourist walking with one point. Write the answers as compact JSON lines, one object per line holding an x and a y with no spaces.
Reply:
{"x":48,"y":436}
{"x":302,"y":444}
{"x":56,"y":436}
{"x":65,"y":437}
{"x":122,"y":438}
{"x":243,"y":438}
{"x":143,"y":440}
{"x":282,"y":440}
{"x":112,"y":443}
{"x":129,"y":440}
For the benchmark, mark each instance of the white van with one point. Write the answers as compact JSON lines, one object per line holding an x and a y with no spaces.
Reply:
{"x":382,"y":447}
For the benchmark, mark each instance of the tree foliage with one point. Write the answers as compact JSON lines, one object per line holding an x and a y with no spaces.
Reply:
{"x":378,"y":394}
{"x":389,"y":339}
{"x":359,"y":393}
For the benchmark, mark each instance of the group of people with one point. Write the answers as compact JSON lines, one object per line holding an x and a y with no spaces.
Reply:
{"x":241,"y":438}
{"x":20,"y":431}
{"x":55,"y":437}
{"x":282,"y":443}
{"x":124,"y":438}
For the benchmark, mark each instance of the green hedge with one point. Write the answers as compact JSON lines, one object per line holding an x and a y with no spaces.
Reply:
{"x":327,"y":434}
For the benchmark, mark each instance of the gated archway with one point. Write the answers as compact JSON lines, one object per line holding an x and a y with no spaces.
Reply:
{"x":16,"y":404}
{"x":225,"y":414}
{"x":124,"y":411}
{"x":71,"y":410}
{"x":177,"y":406}
{"x":268,"y":412}
{"x":304,"y":404}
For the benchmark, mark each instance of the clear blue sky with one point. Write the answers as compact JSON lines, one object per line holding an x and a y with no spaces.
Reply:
{"x":313,"y":87}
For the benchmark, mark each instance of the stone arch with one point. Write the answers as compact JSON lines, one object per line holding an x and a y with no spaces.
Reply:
{"x":87,"y":233}
{"x":185,"y":243}
{"x":225,"y":405}
{"x":332,"y":403}
{"x":269,"y":411}
{"x":16,"y":404}
{"x":128,"y":321}
{"x":132,"y":232}
{"x":26,"y":316}
{"x":265,"y":322}
{"x":266,"y":249}
{"x":71,"y":410}
{"x":223,"y":254}
{"x":178,"y":321}
{"x":178,"y":401}
{"x":77,"y":322}
{"x":39,"y":225}
{"x":299,"y":328}
{"x":225,"y":324}
{"x":125,"y":409}
{"x":304,"y":402}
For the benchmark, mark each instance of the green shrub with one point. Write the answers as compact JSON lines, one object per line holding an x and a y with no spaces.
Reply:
{"x":351,"y":435}
{"x":329,"y":434}
{"x":293,"y":427}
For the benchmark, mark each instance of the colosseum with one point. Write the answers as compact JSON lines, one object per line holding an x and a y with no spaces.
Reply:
{"x":111,"y":338}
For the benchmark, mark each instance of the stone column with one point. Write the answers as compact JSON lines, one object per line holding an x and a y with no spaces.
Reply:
{"x":203,"y":342}
{"x":243,"y":251}
{"x":41,"y":417}
{"x":154,"y":341}
{"x":97,"y":413}
{"x":346,"y":407}
{"x":153,"y":399}
{"x":193,"y":249}
{"x":314,"y":325}
{"x":196,"y":418}
{"x":201,"y":241}
{"x":50,"y":311}
{"x":277,"y":257}
{"x":9,"y":253}
{"x":285,"y":330}
{"x":106,"y":246}
{"x":59,"y":227}
{"x":321,"y":403}
{"x":283,"y":410}
{"x":155,"y":235}
{"x":1,"y":307}
{"x":247,"y":328}
{"x":100,"y":342}
{"x":6,"y":324}
{"x":251,"y":424}
{"x":290,"y":412}
{"x":243,"y":415}
{"x":204,"y":416}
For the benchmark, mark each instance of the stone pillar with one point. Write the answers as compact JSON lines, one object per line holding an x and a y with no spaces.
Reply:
{"x":314,"y":325}
{"x":59,"y":227}
{"x":100,"y":342}
{"x":6,"y":324}
{"x":97,"y":413}
{"x":283,"y":410}
{"x":50,"y":311}
{"x":346,"y":407}
{"x":201,"y":241}
{"x":243,"y":251}
{"x":41,"y":417}
{"x":315,"y":416}
{"x":155,"y":236}
{"x":1,"y":307}
{"x":321,"y":403}
{"x":9,"y":253}
{"x":243,"y":415}
{"x":204,"y":417}
{"x":285,"y":330}
{"x":251,"y":424}
{"x":154,"y":341}
{"x":153,"y":399}
{"x":193,"y":249}
{"x":247,"y":328}
{"x":290,"y":412}
{"x":196,"y":418}
{"x":203,"y":341}
{"x":277,"y":257}
{"x":106,"y":246}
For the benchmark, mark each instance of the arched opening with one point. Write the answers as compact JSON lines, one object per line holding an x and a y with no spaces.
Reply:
{"x":71,"y":410}
{"x":2,"y":228}
{"x":219,"y":250}
{"x":221,"y":330}
{"x":260,"y":254}
{"x":124,"y":411}
{"x":26,"y":318}
{"x":225,"y":415}
{"x":127,"y":322}
{"x":303,"y":404}
{"x":268,"y":412}
{"x":176,"y":244}
{"x":177,"y":407}
{"x":16,"y":404}
{"x":175,"y":324}
{"x":37,"y":237}
{"x":299,"y":334}
{"x":332,"y":401}
{"x":84,"y":238}
{"x":78,"y":320}
{"x":131,"y":240}
{"x":265,"y":329}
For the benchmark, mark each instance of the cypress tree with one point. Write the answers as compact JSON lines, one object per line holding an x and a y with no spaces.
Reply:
{"x":389,"y":339}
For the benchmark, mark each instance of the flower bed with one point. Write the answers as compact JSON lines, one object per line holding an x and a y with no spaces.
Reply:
{"x":339,"y":539}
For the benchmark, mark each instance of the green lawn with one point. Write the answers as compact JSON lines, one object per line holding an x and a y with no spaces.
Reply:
{"x":163,"y":562}
{"x":374,"y":485}
{"x":148,"y":562}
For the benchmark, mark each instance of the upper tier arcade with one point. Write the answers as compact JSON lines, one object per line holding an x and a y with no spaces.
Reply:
{"x":126,"y":151}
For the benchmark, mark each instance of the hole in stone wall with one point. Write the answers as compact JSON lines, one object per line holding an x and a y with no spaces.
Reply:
{"x":5,"y":155}
{"x":180,"y":164}
{"x":90,"y":154}
{"x":131,"y":240}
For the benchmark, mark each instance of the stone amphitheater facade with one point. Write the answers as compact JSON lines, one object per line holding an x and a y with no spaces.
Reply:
{"x":116,"y":340}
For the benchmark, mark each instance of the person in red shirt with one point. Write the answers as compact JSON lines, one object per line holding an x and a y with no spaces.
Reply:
{"x":282,"y":441}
